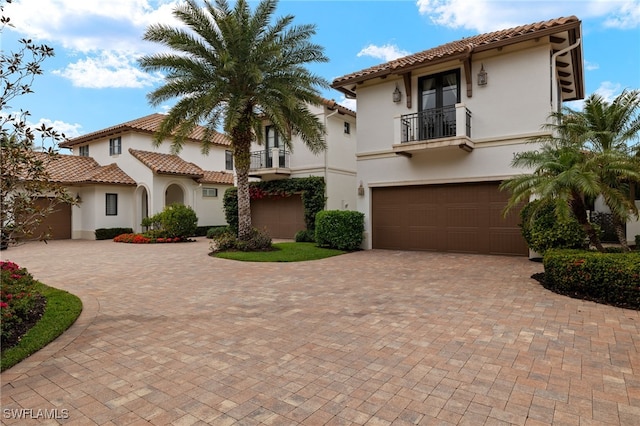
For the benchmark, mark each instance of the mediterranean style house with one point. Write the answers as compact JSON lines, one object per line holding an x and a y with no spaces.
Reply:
{"x":120,"y":177}
{"x":283,"y":217}
{"x":439,"y":128}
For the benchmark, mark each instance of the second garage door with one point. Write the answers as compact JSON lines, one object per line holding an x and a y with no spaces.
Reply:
{"x":463,"y":218}
{"x":282,"y":217}
{"x":58,"y":223}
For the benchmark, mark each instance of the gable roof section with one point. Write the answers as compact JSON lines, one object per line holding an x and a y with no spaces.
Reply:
{"x":167,"y":164}
{"x":73,"y":169}
{"x":465,"y":47}
{"x":171,"y":164}
{"x":148,"y":124}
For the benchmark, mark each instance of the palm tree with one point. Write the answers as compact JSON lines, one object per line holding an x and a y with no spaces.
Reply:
{"x":562,"y":174}
{"x":611,"y":133}
{"x":232,"y":67}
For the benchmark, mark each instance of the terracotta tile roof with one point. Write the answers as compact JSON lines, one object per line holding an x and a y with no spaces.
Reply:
{"x":109,"y":174}
{"x":460,"y":48}
{"x":148,"y":124}
{"x":331,"y":104}
{"x":217,"y":177}
{"x":73,"y":169}
{"x":167,"y":164}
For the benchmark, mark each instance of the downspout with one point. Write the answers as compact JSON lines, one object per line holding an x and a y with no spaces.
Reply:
{"x":553,"y":66}
{"x":326,"y":155}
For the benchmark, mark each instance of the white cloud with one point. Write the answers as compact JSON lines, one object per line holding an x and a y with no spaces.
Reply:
{"x":109,"y":69}
{"x":490,"y":15}
{"x":85,"y":26}
{"x":626,"y":17}
{"x":387,"y":52}
{"x":590,"y":66}
{"x":608,"y":90}
{"x":348,"y":103}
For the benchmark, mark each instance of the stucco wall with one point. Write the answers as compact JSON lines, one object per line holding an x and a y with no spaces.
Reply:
{"x":510,"y":108}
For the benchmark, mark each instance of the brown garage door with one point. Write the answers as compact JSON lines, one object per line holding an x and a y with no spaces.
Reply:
{"x":282,"y":217}
{"x":58,"y":223}
{"x":463,"y":218}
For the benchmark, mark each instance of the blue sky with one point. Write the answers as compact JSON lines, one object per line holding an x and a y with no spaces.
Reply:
{"x":93,"y":81}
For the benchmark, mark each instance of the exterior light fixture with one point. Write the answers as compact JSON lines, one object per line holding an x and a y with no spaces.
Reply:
{"x":361,"y":188}
{"x":397,"y":95}
{"x":482,"y":76}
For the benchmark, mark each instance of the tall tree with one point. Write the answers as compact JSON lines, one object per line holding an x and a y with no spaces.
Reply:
{"x":611,"y":133}
{"x":236,"y":68}
{"x":24,"y":179}
{"x":562,"y":175}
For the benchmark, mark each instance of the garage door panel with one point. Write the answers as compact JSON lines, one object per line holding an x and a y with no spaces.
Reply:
{"x":58,"y":223}
{"x":463,"y":218}
{"x":281,"y":217}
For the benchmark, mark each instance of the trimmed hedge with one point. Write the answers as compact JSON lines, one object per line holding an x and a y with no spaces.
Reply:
{"x":215,"y":231}
{"x":111,"y":233}
{"x":611,"y":278}
{"x":339,"y":229}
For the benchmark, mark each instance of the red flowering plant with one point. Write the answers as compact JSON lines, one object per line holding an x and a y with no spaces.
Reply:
{"x":18,"y":298}
{"x":143,"y":239}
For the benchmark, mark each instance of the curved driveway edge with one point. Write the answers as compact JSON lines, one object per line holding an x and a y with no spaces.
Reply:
{"x":169,"y":335}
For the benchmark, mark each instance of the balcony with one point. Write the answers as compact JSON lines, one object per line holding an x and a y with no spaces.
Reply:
{"x":270,"y":164}
{"x":433,"y":128}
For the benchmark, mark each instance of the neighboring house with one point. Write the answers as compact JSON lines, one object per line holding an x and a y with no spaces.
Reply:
{"x":438,"y":130}
{"x":283,"y":217}
{"x":120,"y":177}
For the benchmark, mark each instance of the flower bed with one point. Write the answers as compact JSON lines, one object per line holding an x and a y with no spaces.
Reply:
{"x":143,"y":239}
{"x":20,"y":304}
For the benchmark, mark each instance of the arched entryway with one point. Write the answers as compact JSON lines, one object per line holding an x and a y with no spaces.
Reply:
{"x":173,"y":194}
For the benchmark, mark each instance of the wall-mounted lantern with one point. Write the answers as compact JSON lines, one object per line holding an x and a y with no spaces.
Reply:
{"x":482,"y":76}
{"x":397,"y":95}
{"x":361,"y":190}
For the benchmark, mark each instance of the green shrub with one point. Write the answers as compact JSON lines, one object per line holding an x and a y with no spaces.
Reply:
{"x":218,"y":230}
{"x":339,"y":229}
{"x":227,"y":240}
{"x":179,"y":220}
{"x":201,"y":231}
{"x":305,"y":236}
{"x":111,"y":233}
{"x":542,"y":230}
{"x":611,"y":278}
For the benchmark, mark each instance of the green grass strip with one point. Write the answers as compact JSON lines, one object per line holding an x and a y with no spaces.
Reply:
{"x":62,"y":309}
{"x":284,"y":252}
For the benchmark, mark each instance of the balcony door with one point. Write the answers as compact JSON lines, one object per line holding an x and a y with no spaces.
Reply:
{"x":273,"y":141}
{"x":439,"y":94}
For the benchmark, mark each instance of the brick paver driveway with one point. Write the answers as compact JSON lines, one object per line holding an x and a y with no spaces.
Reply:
{"x":172,"y":336}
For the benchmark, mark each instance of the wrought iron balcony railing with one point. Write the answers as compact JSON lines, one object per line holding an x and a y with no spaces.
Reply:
{"x":435,"y":123}
{"x":270,"y":158}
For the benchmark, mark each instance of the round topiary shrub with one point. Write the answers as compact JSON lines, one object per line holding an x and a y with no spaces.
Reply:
{"x":178,"y":220}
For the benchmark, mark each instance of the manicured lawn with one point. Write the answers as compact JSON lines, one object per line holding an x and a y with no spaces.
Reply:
{"x":62,"y":310}
{"x":284,"y":252}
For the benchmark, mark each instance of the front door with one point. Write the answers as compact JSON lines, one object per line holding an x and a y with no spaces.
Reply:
{"x":439,"y":94}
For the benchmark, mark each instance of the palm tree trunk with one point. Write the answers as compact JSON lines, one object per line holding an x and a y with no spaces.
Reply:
{"x":621,"y":233}
{"x":580,"y":212}
{"x":241,"y":137}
